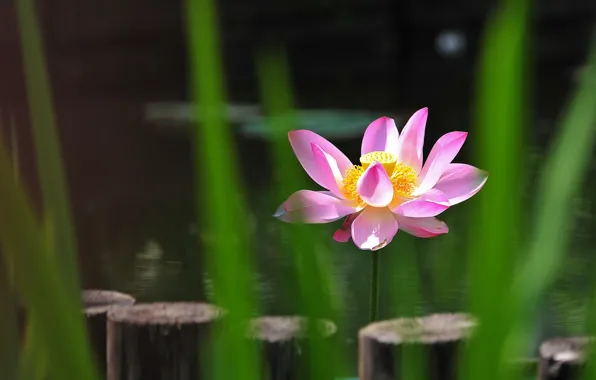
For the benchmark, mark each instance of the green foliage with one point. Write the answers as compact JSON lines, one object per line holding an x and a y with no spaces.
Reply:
{"x":221,"y":204}
{"x":508,"y":272}
{"x":310,"y":257}
{"x":47,"y":145}
{"x":40,"y":282}
{"x":494,"y":238}
{"x":44,"y":269}
{"x":9,"y":337}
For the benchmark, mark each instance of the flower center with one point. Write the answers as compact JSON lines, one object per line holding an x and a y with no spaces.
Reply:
{"x":403,"y":177}
{"x":386,"y":159}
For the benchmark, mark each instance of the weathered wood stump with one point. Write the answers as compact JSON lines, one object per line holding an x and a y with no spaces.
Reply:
{"x":562,"y":358}
{"x":285,"y":344}
{"x":159,"y":341}
{"x":96,"y":304}
{"x":435,"y":338}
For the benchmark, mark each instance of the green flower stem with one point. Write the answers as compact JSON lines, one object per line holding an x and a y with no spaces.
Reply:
{"x":374,"y":286}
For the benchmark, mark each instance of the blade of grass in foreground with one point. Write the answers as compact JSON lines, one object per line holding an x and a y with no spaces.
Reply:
{"x":40,"y":283}
{"x":406,"y":295}
{"x":589,"y":371}
{"x":313,"y":270}
{"x":47,"y":145}
{"x":9,"y":336}
{"x":33,"y":363}
{"x":501,"y":104}
{"x":228,"y":258}
{"x":561,"y":178}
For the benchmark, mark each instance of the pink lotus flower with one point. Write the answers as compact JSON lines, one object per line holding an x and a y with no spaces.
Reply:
{"x":391,"y":189}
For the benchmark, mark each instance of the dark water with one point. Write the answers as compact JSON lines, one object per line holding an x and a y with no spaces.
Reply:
{"x":143,"y":239}
{"x":131,"y":183}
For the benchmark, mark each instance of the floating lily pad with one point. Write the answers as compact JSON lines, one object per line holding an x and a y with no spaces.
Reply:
{"x":181,"y":115}
{"x":333,"y":124}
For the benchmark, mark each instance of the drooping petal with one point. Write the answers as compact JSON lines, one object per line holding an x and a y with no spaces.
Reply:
{"x":374,"y":228}
{"x":313,"y":207}
{"x":411,"y":140}
{"x":441,"y":155}
{"x":422,"y":227}
{"x":374,"y":186}
{"x":380,"y":136}
{"x":343,"y":234}
{"x":329,"y":174}
{"x":431,"y":203}
{"x":302,"y":141}
{"x":460,"y":182}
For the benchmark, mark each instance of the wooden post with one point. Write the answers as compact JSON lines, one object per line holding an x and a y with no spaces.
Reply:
{"x":284,"y":343}
{"x":383,"y":346}
{"x":96,"y":304}
{"x":158,"y":341}
{"x":562,"y":358}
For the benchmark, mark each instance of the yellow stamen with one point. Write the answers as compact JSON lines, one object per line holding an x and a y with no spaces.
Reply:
{"x":403,"y":177}
{"x":349,"y":184}
{"x":404,"y":180}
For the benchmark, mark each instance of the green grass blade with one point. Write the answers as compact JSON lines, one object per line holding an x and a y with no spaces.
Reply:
{"x":222,"y":206}
{"x":33,"y":362}
{"x":311,"y":258}
{"x":400,"y":259}
{"x":47,"y":145}
{"x":497,"y":221}
{"x":589,"y":371}
{"x":40,"y":283}
{"x":561,"y":179}
{"x":9,"y":333}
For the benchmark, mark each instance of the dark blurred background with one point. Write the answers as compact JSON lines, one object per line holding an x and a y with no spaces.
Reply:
{"x":114,"y":63}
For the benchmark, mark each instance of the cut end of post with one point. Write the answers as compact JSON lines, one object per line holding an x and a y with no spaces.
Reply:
{"x":161,"y":340}
{"x":563,"y":358}
{"x":568,"y":350}
{"x":100,"y":301}
{"x":175,"y":313}
{"x":383,"y":345}
{"x":286,"y":328}
{"x":430,"y":329}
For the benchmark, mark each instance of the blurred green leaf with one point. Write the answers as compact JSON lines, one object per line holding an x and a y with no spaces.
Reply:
{"x":33,"y":364}
{"x":47,"y":145}
{"x":9,"y":332}
{"x":310,"y":257}
{"x":494,"y":235}
{"x":40,"y":283}
{"x":400,"y":258}
{"x":560,"y":182}
{"x":561,"y":178}
{"x":48,"y":285}
{"x":222,"y":206}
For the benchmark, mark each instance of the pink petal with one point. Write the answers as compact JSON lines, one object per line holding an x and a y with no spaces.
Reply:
{"x":374,"y":186}
{"x":380,"y":136}
{"x":460,"y":181}
{"x":343,"y":234}
{"x":431,"y":203}
{"x":374,"y":228}
{"x":329,"y":175}
{"x":422,"y":227}
{"x":302,"y":141}
{"x":441,"y":155}
{"x":313,"y":207}
{"x":411,"y":141}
